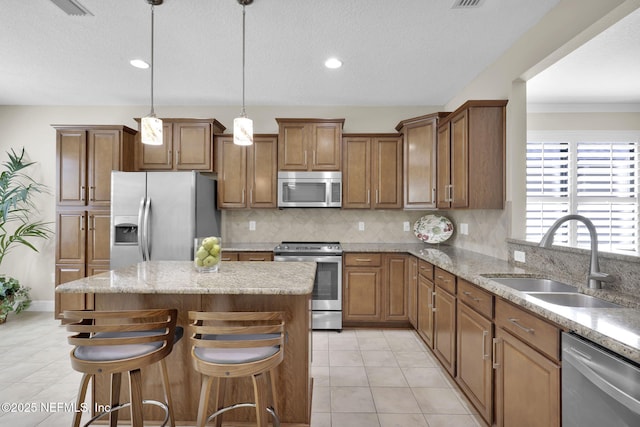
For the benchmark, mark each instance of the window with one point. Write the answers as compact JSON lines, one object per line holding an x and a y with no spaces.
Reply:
{"x":594,"y":174}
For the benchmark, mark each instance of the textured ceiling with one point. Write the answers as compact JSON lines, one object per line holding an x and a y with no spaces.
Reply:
{"x":401,"y":52}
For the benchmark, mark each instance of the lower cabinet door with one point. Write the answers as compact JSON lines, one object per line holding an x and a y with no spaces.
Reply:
{"x":362,"y":294}
{"x":67,"y":273}
{"x":444,"y":327}
{"x":425,"y":309}
{"x":527,"y":385}
{"x":474,"y":365}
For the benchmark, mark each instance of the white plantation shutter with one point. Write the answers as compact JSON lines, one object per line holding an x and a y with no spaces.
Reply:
{"x":591,"y":174}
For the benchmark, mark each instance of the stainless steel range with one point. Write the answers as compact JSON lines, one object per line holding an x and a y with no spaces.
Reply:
{"x":327,"y":289}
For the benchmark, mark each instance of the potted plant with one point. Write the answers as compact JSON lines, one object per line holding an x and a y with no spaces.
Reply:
{"x":18,"y":225}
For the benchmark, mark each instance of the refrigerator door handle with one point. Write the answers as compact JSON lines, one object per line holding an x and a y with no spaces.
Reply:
{"x":147,"y":235}
{"x":141,"y":236}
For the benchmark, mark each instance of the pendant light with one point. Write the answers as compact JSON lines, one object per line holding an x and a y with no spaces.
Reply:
{"x":243,"y":126}
{"x":151,"y":126}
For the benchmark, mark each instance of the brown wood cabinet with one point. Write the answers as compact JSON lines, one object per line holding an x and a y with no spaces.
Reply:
{"x":444,"y":319}
{"x":85,"y":157}
{"x":187,"y":145}
{"x":474,"y":367}
{"x":426,"y":296}
{"x":471,"y":157}
{"x":412,"y":291}
{"x":246,"y":256}
{"x":527,"y":380}
{"x":309,"y":144}
{"x":362,"y":281}
{"x":247,"y":175}
{"x":395,"y":287}
{"x":372,"y":171}
{"x":420,"y":136}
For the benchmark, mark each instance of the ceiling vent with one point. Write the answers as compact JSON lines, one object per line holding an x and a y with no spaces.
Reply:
{"x":72,"y":7}
{"x":466,"y":4}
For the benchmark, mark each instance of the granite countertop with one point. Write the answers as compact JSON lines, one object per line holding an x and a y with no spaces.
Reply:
{"x":179,"y":277}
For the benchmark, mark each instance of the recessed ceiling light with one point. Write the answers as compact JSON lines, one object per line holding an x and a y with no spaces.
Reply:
{"x":333,"y":63}
{"x":139,"y":63}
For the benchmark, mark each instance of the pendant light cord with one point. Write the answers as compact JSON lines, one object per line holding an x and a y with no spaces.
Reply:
{"x":243,"y":114}
{"x":152,"y":114}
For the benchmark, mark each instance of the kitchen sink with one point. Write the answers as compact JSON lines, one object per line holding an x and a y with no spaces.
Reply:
{"x":533,"y":284}
{"x":573,"y":299}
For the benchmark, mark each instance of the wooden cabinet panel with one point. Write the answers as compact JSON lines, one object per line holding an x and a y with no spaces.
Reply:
{"x":387,"y":173}
{"x":356,"y":172}
{"x":444,"y":326}
{"x":425,"y":269}
{"x":362,"y":259}
{"x":71,"y":237}
{"x":445,"y":280}
{"x":527,"y":385}
{"x":425,"y":309}
{"x":476,"y":298}
{"x":473,"y":176}
{"x":412,"y":292}
{"x":98,"y":237}
{"x":255,"y":256}
{"x":419,"y":175}
{"x":71,"y":170}
{"x":104,"y":157}
{"x":247,"y":174}
{"x":229,"y":256}
{"x":186,"y":145}
{"x":66,"y":273}
{"x":396,"y":287}
{"x":362,"y":286}
{"x":310,"y":144}
{"x":474,"y":368}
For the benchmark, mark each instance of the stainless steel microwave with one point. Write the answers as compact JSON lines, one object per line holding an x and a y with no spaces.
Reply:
{"x":309,"y":189}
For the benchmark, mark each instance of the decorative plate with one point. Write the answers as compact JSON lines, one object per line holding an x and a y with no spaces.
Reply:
{"x":433,"y":228}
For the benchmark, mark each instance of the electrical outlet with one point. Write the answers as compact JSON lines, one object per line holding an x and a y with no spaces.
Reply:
{"x":519,"y":256}
{"x":361,"y":225}
{"x":407,"y":226}
{"x":252,"y":226}
{"x":464,"y":228}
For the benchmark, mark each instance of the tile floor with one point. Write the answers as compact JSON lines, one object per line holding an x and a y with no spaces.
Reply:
{"x":368,"y":378}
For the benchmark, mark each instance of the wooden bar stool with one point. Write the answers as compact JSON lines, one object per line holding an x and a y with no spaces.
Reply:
{"x":237,"y":344}
{"x":114,"y":342}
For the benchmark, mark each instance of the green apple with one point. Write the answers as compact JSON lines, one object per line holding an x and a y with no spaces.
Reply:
{"x":209,"y":261}
{"x":199,"y":262}
{"x":207,"y":243}
{"x":215,"y":250}
{"x":202,"y":253}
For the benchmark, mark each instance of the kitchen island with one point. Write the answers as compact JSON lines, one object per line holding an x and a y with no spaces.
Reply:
{"x":237,"y":286}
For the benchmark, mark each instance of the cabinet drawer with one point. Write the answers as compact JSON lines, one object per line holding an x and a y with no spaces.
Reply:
{"x":425,"y":269}
{"x":529,"y":328}
{"x":255,"y":256}
{"x":363,"y":259}
{"x":445,"y":280}
{"x":476,"y":298}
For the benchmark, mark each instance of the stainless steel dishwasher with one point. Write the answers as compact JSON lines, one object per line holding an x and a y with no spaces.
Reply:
{"x":599,"y":388}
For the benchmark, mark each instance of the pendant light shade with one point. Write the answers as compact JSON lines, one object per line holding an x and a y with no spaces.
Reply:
{"x":243,"y":126}
{"x":151,"y":126}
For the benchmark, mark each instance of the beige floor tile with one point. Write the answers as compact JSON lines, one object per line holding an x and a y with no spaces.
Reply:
{"x":351,"y":399}
{"x":320,"y":358}
{"x":354,"y":420}
{"x":439,"y":401}
{"x":343,"y":342}
{"x":369,"y":333}
{"x":436,"y":420}
{"x":426,"y":377}
{"x":321,"y":399}
{"x":373,"y":343}
{"x":402,"y":420}
{"x":415,"y":359}
{"x":320,"y":341}
{"x":321,"y":376}
{"x":321,"y":419}
{"x":380,"y":376}
{"x":395,"y":400}
{"x":348,"y":376}
{"x":379,"y":358}
{"x":345,"y":358}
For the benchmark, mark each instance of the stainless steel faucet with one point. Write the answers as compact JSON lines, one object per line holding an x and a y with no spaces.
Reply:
{"x":595,"y":277}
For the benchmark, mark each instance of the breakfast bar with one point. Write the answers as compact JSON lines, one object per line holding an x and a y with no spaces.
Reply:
{"x":237,"y":286}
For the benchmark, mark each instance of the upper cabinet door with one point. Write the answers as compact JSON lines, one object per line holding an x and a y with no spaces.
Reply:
{"x":387,"y":173}
{"x":310,"y":144}
{"x":104,"y":156}
{"x":324,"y":146}
{"x":156,"y":157}
{"x":232,"y":174}
{"x":356,"y":172}
{"x":72,"y":167}
{"x":192,"y":146}
{"x":292,"y":146}
{"x":262,"y":172}
{"x":443,"y":160}
{"x":460,"y":160}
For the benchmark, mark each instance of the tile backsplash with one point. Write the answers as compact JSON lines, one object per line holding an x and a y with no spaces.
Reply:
{"x":487,"y":228}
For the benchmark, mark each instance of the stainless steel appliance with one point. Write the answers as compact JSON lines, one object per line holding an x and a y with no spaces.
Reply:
{"x":309,"y":189}
{"x":327,"y":289}
{"x":157,"y":215}
{"x":599,"y":388}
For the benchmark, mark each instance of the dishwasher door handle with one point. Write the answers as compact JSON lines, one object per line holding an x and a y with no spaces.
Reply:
{"x":619,"y":395}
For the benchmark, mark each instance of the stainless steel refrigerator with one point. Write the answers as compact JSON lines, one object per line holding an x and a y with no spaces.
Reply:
{"x":157,"y":215}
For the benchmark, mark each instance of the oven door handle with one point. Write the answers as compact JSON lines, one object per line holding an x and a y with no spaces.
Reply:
{"x":306,"y":258}
{"x":619,"y":395}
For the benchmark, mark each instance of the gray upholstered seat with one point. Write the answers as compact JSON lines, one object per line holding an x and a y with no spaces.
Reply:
{"x":236,"y":355}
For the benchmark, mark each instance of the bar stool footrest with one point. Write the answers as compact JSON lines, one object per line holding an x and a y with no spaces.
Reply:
{"x":162,"y":405}
{"x":276,"y":419}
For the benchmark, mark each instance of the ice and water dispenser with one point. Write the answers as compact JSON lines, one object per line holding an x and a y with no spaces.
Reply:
{"x":125,"y":230}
